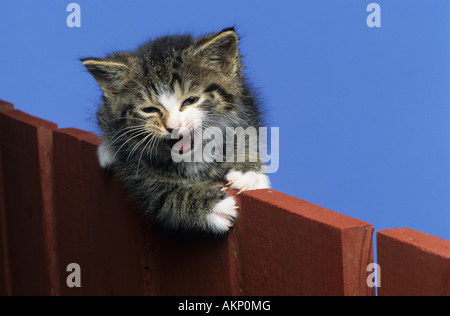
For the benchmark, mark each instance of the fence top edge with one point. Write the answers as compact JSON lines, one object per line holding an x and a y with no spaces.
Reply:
{"x":306,"y":209}
{"x":29,"y":119}
{"x":418,"y":239}
{"x":6,"y":105}
{"x":81,"y":135}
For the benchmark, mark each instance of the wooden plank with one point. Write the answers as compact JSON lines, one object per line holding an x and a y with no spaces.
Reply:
{"x":413,"y":263}
{"x":6,"y":105}
{"x":288,"y":246}
{"x":25,"y":147}
{"x":97,"y":225}
{"x":119,"y":250}
{"x":5,"y":276}
{"x":190,"y":265}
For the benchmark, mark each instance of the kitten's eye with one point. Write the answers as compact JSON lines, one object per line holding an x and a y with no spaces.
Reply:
{"x":190,"y":101}
{"x":151,"y":110}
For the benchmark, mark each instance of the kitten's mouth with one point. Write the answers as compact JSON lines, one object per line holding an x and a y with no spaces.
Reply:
{"x":184,"y":143}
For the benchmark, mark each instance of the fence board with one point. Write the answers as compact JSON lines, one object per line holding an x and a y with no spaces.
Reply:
{"x":291,"y":247}
{"x":195,"y":265}
{"x":5,"y":278}
{"x":25,"y":144}
{"x":97,"y":226}
{"x":413,"y":263}
{"x":6,"y":105}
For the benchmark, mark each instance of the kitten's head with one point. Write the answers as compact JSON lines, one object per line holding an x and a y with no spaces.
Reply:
{"x":168,"y":84}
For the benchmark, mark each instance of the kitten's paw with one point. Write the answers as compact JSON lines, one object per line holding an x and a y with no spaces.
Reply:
{"x":247,"y":181}
{"x":105,"y":155}
{"x":223,"y":215}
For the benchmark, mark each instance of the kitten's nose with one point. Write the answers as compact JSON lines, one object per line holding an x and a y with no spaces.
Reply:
{"x":170,"y":127}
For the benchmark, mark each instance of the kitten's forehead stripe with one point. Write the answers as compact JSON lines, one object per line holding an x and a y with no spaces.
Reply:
{"x":152,"y":87}
{"x":175,"y":78}
{"x":222,"y":92}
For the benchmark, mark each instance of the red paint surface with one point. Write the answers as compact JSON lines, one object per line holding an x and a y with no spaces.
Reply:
{"x":24,"y":141}
{"x":413,"y":263}
{"x":291,"y":247}
{"x":5,"y":275}
{"x":6,"y":105}
{"x":57,"y":206}
{"x":97,"y":226}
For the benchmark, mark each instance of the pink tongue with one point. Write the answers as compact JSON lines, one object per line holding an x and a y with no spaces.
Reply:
{"x":183,"y":144}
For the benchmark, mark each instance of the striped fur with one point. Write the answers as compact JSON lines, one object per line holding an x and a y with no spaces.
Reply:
{"x":165,"y":85}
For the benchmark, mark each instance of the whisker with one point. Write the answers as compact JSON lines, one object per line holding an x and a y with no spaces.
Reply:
{"x":126,"y":118}
{"x":131,"y":130}
{"x":138,"y":134}
{"x":136,"y":146}
{"x":148,"y":140}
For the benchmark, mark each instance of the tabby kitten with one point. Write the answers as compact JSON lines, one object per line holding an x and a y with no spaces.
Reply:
{"x":160,"y":90}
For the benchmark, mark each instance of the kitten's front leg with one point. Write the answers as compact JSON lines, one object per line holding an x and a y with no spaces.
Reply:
{"x":204,"y":206}
{"x":250,"y":180}
{"x":105,"y":155}
{"x":223,"y":215}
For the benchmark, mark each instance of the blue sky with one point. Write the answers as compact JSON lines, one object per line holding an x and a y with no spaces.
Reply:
{"x":363,"y":112}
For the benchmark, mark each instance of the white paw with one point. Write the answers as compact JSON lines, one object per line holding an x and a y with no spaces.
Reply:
{"x":105,"y":155}
{"x":222,"y":216}
{"x":247,"y":181}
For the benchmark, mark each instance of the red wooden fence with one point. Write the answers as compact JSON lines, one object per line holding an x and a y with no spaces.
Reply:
{"x":413,"y":263}
{"x":59,"y":207}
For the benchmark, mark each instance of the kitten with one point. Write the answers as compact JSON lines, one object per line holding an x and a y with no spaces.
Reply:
{"x":160,"y":90}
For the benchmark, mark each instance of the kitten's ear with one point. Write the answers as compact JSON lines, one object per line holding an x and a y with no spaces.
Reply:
{"x":110,"y":73}
{"x":221,"y":51}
